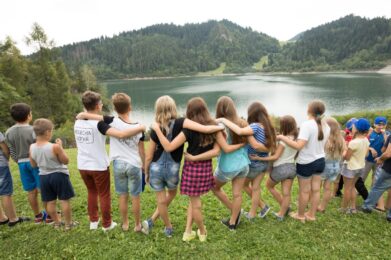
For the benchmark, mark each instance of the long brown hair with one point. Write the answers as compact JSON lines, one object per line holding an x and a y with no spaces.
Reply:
{"x":288,"y":126}
{"x":225,"y":107}
{"x":165,"y":110}
{"x":317,"y":108}
{"x":257,"y":113}
{"x":335,"y":144}
{"x":197,"y":111}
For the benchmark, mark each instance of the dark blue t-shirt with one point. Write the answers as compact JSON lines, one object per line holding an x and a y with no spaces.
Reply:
{"x":376,"y":141}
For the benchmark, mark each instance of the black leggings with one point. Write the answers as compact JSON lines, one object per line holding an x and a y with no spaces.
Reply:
{"x":360,"y":187}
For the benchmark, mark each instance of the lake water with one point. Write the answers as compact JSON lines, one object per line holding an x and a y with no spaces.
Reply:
{"x":281,"y":94}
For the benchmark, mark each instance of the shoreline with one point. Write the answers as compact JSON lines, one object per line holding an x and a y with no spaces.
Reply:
{"x":385,"y":71}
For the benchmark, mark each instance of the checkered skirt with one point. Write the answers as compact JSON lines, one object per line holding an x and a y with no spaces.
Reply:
{"x":197,"y":178}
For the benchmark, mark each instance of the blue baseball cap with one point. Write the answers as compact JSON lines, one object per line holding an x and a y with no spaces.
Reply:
{"x":350,"y":123}
{"x":380,"y":120}
{"x":362,"y":125}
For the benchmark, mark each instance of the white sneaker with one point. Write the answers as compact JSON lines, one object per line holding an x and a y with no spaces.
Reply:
{"x":94,"y":225}
{"x":113,"y":225}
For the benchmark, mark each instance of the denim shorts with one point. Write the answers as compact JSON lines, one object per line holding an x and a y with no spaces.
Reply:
{"x":331,"y":170}
{"x":283,"y":172}
{"x":6,"y":186}
{"x":226,"y":177}
{"x":256,"y":169}
{"x":127,"y":178}
{"x":351,"y":173}
{"x":29,"y":176}
{"x":55,"y":186}
{"x":164,"y":173}
{"x":307,"y":170}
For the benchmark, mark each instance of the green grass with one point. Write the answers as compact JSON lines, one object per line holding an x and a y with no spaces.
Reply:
{"x":333,"y":236}
{"x":215,"y":72}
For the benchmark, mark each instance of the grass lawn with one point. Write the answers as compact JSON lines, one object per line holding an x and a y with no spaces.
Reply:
{"x":332,"y":236}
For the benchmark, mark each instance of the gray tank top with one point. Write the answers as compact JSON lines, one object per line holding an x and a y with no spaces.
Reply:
{"x":46,"y":160}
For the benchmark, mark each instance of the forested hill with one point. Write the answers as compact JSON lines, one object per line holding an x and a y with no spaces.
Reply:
{"x":168,"y":49}
{"x":350,"y":43}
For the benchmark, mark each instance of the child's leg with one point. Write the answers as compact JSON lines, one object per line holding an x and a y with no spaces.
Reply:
{"x":248,"y":189}
{"x":286,"y":186}
{"x":9,"y":209}
{"x":348,"y":192}
{"x":256,"y":194}
{"x":197,"y":214}
{"x":388,"y":203}
{"x":220,"y":194}
{"x":92,"y":195}
{"x":66,"y":211}
{"x":3,"y":216}
{"x":136,"y":208}
{"x":189,"y":218}
{"x":361,"y":189}
{"x":271,"y":186}
{"x":380,"y":203}
{"x":123,"y":210}
{"x":170,"y":195}
{"x":163,"y":207}
{"x":327,"y":195}
{"x":33,"y":201}
{"x":237,"y":187}
{"x":51,"y":208}
{"x":304,"y":195}
{"x":315,"y":195}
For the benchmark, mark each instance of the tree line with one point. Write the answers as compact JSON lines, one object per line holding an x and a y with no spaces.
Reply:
{"x":43,"y":81}
{"x":350,"y":43}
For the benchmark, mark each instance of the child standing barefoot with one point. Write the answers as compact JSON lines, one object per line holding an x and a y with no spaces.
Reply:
{"x":311,"y":159}
{"x":284,"y":170}
{"x":355,"y":155}
{"x":335,"y":147}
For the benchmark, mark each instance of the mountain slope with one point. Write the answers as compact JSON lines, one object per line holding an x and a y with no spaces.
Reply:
{"x":168,"y":49}
{"x":351,"y":42}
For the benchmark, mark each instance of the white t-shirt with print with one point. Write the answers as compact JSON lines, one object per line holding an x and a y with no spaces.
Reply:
{"x":91,"y":146}
{"x":125,"y":149}
{"x":314,"y":149}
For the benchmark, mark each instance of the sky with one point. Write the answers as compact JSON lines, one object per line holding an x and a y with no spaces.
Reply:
{"x":68,"y":21}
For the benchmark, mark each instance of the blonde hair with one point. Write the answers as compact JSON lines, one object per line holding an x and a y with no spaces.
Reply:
{"x":335,"y":145}
{"x":41,"y":126}
{"x":165,"y":110}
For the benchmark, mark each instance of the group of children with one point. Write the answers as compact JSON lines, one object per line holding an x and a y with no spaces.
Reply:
{"x":317,"y":153}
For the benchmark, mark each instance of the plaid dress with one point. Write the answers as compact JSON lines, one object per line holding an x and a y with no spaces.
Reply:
{"x":197,"y":178}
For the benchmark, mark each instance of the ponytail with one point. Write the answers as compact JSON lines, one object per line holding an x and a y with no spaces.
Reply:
{"x":317,"y":108}
{"x":318,"y":120}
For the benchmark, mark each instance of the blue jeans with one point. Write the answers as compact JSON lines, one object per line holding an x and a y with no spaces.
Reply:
{"x":127,"y":178}
{"x":382,"y":183}
{"x":164,"y":173}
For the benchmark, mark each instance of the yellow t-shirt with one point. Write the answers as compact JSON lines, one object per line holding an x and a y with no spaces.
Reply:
{"x":359,"y":146}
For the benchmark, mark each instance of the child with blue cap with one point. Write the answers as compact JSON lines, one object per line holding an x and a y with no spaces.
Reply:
{"x":377,"y":138}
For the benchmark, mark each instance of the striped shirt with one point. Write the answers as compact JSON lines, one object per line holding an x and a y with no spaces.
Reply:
{"x":259,"y":135}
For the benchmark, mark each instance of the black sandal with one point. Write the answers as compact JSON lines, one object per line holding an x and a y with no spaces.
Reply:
{"x":4,"y":222}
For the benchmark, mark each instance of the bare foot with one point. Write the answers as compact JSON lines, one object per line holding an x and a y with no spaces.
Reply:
{"x":308,"y":217}
{"x":296,"y":216}
{"x":125,"y":227}
{"x":137,"y":228}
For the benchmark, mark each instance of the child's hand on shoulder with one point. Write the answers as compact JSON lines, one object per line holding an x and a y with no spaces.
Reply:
{"x":221,"y":120}
{"x":143,"y":127}
{"x":378,"y":160}
{"x":59,"y":142}
{"x":280,"y":138}
{"x":81,"y":116}
{"x":374,"y":152}
{"x":155,"y":126}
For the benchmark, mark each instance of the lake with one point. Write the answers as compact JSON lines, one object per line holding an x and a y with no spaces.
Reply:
{"x":281,"y":94}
